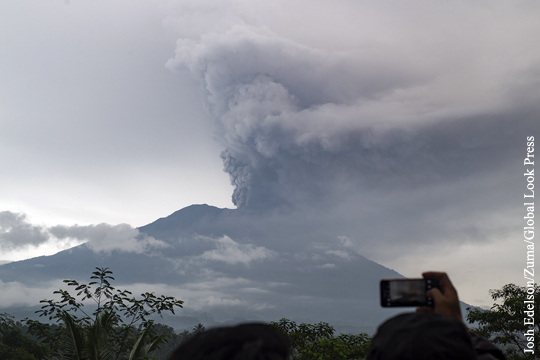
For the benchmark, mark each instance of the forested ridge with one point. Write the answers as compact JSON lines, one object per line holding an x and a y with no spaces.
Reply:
{"x":120,"y":327}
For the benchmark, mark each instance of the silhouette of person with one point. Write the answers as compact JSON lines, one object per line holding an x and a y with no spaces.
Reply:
{"x":251,"y":341}
{"x":437,"y":332}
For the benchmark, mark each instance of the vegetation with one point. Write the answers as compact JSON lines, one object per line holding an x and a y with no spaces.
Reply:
{"x":118,"y":328}
{"x":504,"y":323}
{"x":317,"y":341}
{"x":174,"y":340}
{"x":15,"y":344}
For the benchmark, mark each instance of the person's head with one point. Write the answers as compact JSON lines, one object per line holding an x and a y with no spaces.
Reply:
{"x":420,"y":335}
{"x":242,"y":342}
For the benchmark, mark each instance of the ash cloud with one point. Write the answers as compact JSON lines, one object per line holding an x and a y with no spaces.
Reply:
{"x":278,"y":106}
{"x":303,"y":126}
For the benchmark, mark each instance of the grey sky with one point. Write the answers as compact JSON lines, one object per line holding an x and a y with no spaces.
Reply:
{"x":403,"y":123}
{"x":94,"y":127}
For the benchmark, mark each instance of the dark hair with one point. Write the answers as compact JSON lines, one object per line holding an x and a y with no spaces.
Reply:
{"x":421,"y":336}
{"x":252,"y":341}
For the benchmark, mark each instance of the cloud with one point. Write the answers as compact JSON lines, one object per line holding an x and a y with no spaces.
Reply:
{"x":301,"y":124}
{"x":285,"y":110}
{"x":16,"y":232}
{"x":327,"y":266}
{"x":397,"y":126}
{"x":197,"y":295}
{"x":231,"y":252}
{"x":104,"y":238}
{"x":18,"y":294}
{"x":207,"y":293}
{"x":390,"y":126}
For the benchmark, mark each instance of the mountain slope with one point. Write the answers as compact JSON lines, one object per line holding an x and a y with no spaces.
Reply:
{"x":227,"y":264}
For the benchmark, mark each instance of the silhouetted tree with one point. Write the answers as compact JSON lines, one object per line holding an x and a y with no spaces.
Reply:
{"x":317,"y":341}
{"x":16,"y":345}
{"x":505,"y":324}
{"x":198,"y":328}
{"x":119,"y":328}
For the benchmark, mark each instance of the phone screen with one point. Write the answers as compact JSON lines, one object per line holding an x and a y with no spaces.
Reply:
{"x":406,"y":292}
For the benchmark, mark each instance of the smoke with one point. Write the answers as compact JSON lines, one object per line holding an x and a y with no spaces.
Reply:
{"x":276,"y":103}
{"x":303,"y":125}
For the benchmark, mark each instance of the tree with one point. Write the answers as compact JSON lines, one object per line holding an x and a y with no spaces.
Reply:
{"x":174,"y":340}
{"x":198,"y":328}
{"x":15,"y":344}
{"x":118,"y":328}
{"x":504,"y":323}
{"x":317,"y":341}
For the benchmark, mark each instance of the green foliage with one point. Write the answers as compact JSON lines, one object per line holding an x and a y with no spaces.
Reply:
{"x":173,"y":340}
{"x":16,"y":345}
{"x":118,"y":328}
{"x":145,"y":344}
{"x":317,"y":341}
{"x":504,"y":324}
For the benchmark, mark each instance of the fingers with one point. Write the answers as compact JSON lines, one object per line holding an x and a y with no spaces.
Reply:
{"x":441,"y":276}
{"x":444,"y":281}
{"x":440,"y":301}
{"x":434,"y":274}
{"x":424,"y":309}
{"x":435,"y":294}
{"x":445,"y":297}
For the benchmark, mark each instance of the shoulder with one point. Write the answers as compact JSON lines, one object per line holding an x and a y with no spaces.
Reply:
{"x":485,"y":349}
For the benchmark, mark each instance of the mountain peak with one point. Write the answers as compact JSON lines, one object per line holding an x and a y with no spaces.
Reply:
{"x":185,"y":220}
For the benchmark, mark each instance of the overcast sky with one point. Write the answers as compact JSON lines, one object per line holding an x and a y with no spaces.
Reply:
{"x":406,"y":119}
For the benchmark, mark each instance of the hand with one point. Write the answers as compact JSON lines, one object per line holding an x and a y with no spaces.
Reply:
{"x":445,"y":298}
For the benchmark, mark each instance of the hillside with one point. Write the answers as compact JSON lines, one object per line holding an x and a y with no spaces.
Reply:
{"x":230,"y":265}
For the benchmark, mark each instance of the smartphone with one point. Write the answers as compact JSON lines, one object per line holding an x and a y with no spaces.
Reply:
{"x":406,"y":292}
